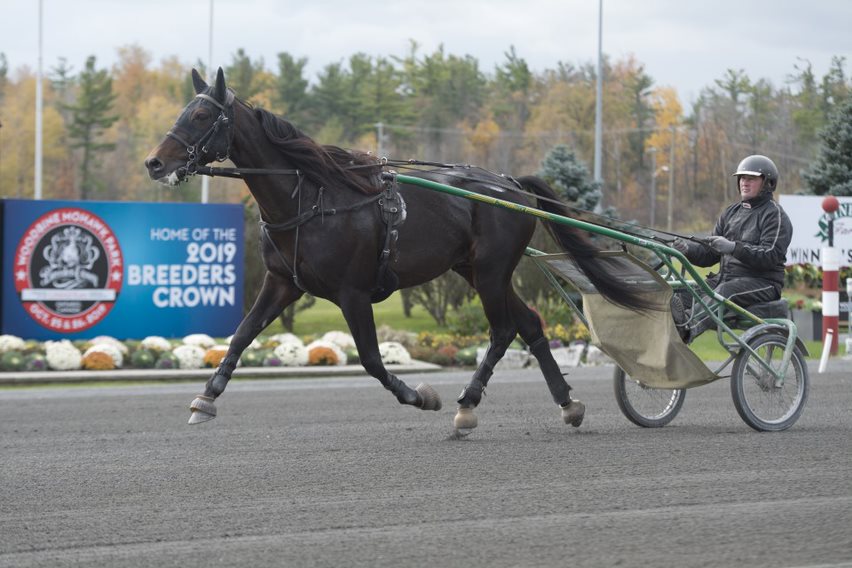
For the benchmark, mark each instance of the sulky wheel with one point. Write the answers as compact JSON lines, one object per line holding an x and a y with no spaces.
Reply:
{"x":765,"y":403}
{"x":644,"y":406}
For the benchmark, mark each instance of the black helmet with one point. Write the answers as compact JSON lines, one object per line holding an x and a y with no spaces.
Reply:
{"x":762,"y":166}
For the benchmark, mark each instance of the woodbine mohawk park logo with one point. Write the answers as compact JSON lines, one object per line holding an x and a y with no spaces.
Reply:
{"x":68,"y":270}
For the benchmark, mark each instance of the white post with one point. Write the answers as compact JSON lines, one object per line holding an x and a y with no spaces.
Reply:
{"x":826,"y":350}
{"x":38,"y":115}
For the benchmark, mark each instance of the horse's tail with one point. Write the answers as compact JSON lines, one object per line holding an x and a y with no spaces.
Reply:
{"x":602,"y":272}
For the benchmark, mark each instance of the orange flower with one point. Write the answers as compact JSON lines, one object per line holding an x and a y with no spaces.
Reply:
{"x":322,"y":356}
{"x":212,"y":357}
{"x":98,"y":361}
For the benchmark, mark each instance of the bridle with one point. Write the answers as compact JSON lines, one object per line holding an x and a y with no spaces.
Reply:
{"x":224,"y":123}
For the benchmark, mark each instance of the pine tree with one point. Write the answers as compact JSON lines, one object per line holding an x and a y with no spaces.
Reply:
{"x":832,"y":171}
{"x":570,"y":178}
{"x":90,"y":117}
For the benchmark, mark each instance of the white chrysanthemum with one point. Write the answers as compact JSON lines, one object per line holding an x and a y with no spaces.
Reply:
{"x":340,"y":338}
{"x":189,"y":356}
{"x":109,"y":349}
{"x":11,"y":343}
{"x":62,"y":355}
{"x":291,"y":354}
{"x":156,"y":343}
{"x":107,"y":340}
{"x":341,"y":356}
{"x":393,"y":353}
{"x":255,"y":344}
{"x":199,"y":340}
{"x":282,"y":338}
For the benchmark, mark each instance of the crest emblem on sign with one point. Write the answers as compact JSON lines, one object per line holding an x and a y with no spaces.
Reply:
{"x":68,"y":270}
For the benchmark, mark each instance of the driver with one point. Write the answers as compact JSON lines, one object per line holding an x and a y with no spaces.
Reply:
{"x":749,"y":242}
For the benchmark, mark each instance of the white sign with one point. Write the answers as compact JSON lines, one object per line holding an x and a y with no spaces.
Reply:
{"x":810,"y":228}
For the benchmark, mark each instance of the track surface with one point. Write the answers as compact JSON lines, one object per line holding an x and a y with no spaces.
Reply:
{"x":335,"y":473}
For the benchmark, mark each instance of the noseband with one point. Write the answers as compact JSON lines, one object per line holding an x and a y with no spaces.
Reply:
{"x":223,"y":123}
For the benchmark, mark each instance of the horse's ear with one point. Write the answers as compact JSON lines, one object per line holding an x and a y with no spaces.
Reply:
{"x":198,"y":82}
{"x":219,"y":91}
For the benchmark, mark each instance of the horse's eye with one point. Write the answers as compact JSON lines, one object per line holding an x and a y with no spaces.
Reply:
{"x":201,"y":115}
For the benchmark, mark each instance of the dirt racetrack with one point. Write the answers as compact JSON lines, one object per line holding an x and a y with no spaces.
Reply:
{"x":333,"y":472}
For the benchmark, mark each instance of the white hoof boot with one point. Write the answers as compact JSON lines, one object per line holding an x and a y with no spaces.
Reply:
{"x":202,"y":409}
{"x":430,"y":398}
{"x":573,"y":413}
{"x":465,"y":421}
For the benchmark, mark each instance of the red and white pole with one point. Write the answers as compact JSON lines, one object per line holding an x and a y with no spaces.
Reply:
{"x":830,"y":278}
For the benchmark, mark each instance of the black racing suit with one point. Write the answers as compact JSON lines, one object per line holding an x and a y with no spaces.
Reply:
{"x":754,"y":272}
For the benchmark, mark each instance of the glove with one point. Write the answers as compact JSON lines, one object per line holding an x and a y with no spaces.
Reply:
{"x":680,"y":245}
{"x":721,"y":245}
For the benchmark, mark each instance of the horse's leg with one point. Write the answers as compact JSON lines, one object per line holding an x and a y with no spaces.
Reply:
{"x":492,"y":291}
{"x":275,"y":295}
{"x":529,"y":327}
{"x":358,"y":312}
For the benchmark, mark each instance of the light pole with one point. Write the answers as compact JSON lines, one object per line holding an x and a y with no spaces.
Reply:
{"x":653,"y":207}
{"x":38,"y":114}
{"x":671,"y":182}
{"x":599,"y":100}
{"x":205,"y":180}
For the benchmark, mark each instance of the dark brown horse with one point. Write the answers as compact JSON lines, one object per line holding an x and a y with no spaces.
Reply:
{"x":327,"y":215}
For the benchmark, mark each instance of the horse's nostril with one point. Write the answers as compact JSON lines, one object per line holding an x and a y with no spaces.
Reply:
{"x":154,"y":164}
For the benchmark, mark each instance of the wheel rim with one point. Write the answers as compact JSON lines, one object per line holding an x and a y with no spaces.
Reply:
{"x":769,"y":401}
{"x":650,"y":403}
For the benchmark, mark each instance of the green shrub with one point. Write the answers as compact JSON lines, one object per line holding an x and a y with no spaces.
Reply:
{"x":252,"y":358}
{"x":12,"y":361}
{"x":167,"y":361}
{"x":143,"y":359}
{"x":468,"y":320}
{"x":466,"y":356}
{"x":352,"y":357}
{"x":35,"y":362}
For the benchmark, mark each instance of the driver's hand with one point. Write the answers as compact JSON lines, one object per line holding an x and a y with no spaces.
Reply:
{"x":680,"y":245}
{"x":721,"y":245}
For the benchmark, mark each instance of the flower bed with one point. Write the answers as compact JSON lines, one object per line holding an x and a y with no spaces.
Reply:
{"x":196,"y":351}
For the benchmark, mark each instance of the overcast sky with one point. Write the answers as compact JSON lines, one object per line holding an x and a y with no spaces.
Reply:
{"x":685,"y":44}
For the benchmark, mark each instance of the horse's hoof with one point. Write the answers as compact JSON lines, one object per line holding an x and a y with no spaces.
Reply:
{"x":202,"y":409}
{"x":465,"y":421}
{"x":429,"y":397}
{"x":573,"y":413}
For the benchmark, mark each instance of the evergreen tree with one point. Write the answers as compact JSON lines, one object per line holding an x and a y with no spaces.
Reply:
{"x":244,"y":75}
{"x":90,"y":116}
{"x":570,"y":178}
{"x":832,"y":171}
{"x":292,"y":88}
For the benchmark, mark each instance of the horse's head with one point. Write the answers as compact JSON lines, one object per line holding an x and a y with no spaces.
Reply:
{"x":202,"y":133}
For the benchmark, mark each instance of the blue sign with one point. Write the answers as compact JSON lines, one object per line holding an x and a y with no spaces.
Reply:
{"x":78,"y":269}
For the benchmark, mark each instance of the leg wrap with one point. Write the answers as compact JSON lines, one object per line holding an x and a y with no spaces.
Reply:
{"x":472,"y":393}
{"x":404,"y":394}
{"x":559,"y":389}
{"x":217,"y":383}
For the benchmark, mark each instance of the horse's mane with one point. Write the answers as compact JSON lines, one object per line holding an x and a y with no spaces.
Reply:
{"x":325,"y":165}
